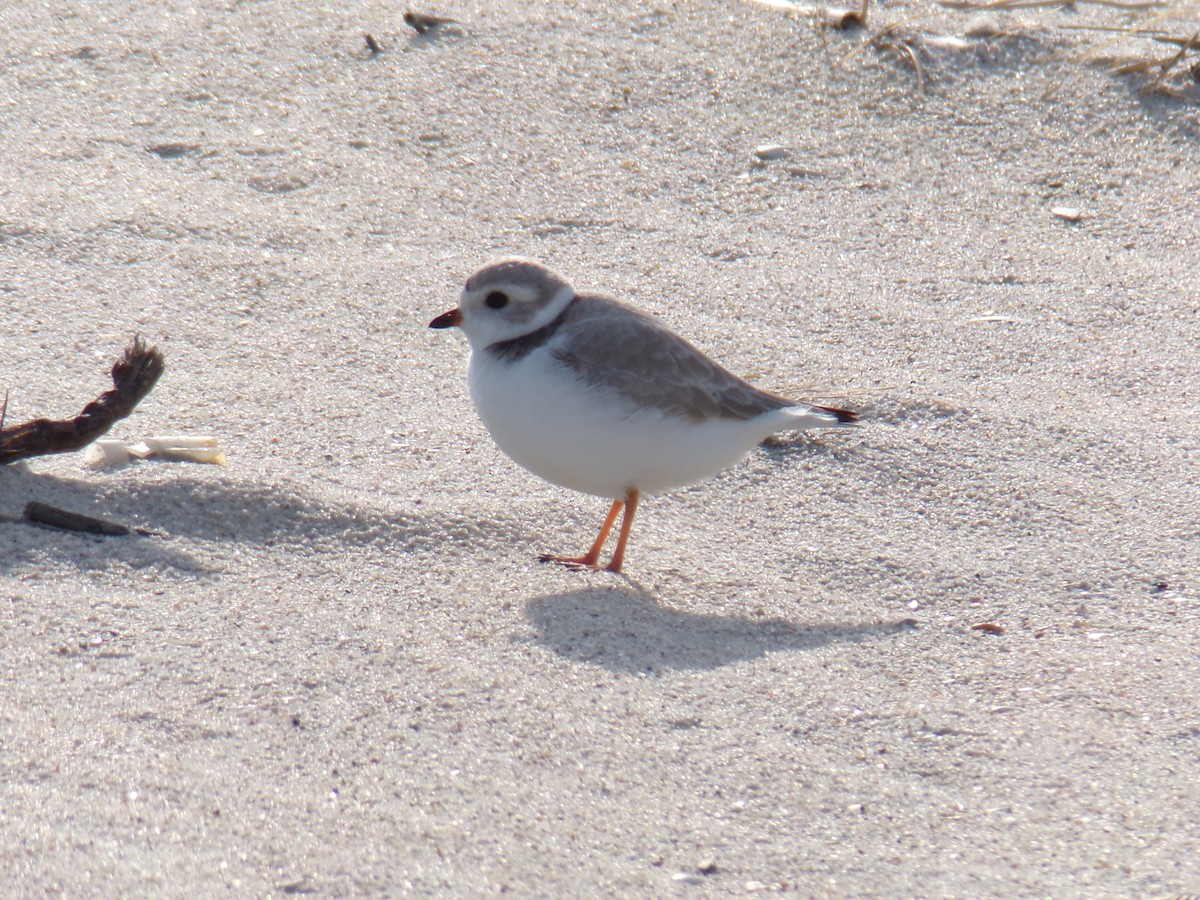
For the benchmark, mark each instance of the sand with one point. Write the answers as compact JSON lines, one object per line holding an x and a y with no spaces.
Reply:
{"x":337,"y":667}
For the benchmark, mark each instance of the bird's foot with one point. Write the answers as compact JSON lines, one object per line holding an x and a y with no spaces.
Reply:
{"x":579,"y":563}
{"x":571,"y":562}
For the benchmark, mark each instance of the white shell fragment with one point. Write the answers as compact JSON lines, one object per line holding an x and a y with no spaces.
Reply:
{"x":1070,"y":213}
{"x":770,"y":152}
{"x":105,"y":453}
{"x":947,"y":42}
{"x":778,"y":4}
{"x":167,"y":443}
{"x":178,"y":448}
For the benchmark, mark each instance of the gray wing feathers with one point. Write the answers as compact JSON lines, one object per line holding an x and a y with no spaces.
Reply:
{"x":614,"y":346}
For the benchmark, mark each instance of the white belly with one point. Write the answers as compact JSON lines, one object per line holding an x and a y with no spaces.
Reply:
{"x":590,"y":441}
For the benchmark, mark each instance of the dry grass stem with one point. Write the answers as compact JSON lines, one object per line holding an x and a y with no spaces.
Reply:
{"x":980,"y":5}
{"x":890,"y":40}
{"x":1093,"y":55}
{"x":1170,"y":63}
{"x":1192,"y":43}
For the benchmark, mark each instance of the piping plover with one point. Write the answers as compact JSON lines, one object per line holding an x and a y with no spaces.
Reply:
{"x":422,"y":22}
{"x":599,"y":397}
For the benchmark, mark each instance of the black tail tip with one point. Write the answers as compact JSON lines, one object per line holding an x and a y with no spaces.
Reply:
{"x":844,"y":416}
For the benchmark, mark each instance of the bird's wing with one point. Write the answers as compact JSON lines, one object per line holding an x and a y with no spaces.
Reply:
{"x":610,"y":345}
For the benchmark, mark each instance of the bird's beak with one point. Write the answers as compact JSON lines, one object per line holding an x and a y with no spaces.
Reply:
{"x":447,"y":319}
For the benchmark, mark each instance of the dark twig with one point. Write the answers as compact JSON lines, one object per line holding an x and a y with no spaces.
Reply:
{"x":53,"y":517}
{"x":133,"y":375}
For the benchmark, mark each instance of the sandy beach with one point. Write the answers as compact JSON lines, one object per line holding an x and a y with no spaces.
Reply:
{"x":952,"y":653}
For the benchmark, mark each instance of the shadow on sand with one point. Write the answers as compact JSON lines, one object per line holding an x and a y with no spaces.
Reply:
{"x":627,"y":630}
{"x":190,"y":509}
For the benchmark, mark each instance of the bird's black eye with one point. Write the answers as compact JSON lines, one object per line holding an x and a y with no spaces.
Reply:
{"x":496,"y":300}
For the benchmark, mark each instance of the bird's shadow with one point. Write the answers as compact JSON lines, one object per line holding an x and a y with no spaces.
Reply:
{"x":628,"y":630}
{"x":791,"y":447}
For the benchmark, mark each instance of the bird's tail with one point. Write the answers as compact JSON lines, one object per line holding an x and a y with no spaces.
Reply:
{"x":844,"y":416}
{"x":802,"y":416}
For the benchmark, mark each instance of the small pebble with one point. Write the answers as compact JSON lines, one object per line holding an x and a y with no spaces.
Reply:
{"x":842,"y":19}
{"x":982,"y":26}
{"x":769,"y":152}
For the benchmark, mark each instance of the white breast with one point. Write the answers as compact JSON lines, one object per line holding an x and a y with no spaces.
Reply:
{"x":593,"y":441}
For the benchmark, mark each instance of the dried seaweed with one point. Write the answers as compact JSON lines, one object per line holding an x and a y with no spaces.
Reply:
{"x":133,"y":375}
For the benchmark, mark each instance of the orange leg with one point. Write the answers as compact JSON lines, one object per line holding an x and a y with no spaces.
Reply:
{"x":590,"y":558}
{"x":631,"y":503}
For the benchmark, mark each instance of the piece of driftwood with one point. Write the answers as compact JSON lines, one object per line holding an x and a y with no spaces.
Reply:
{"x":133,"y":375}
{"x":54,"y":517}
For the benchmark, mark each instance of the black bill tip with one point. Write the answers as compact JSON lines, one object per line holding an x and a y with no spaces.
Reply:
{"x":447,"y":319}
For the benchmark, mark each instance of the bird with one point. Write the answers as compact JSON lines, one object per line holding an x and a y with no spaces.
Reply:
{"x":594,"y":395}
{"x":422,"y":22}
